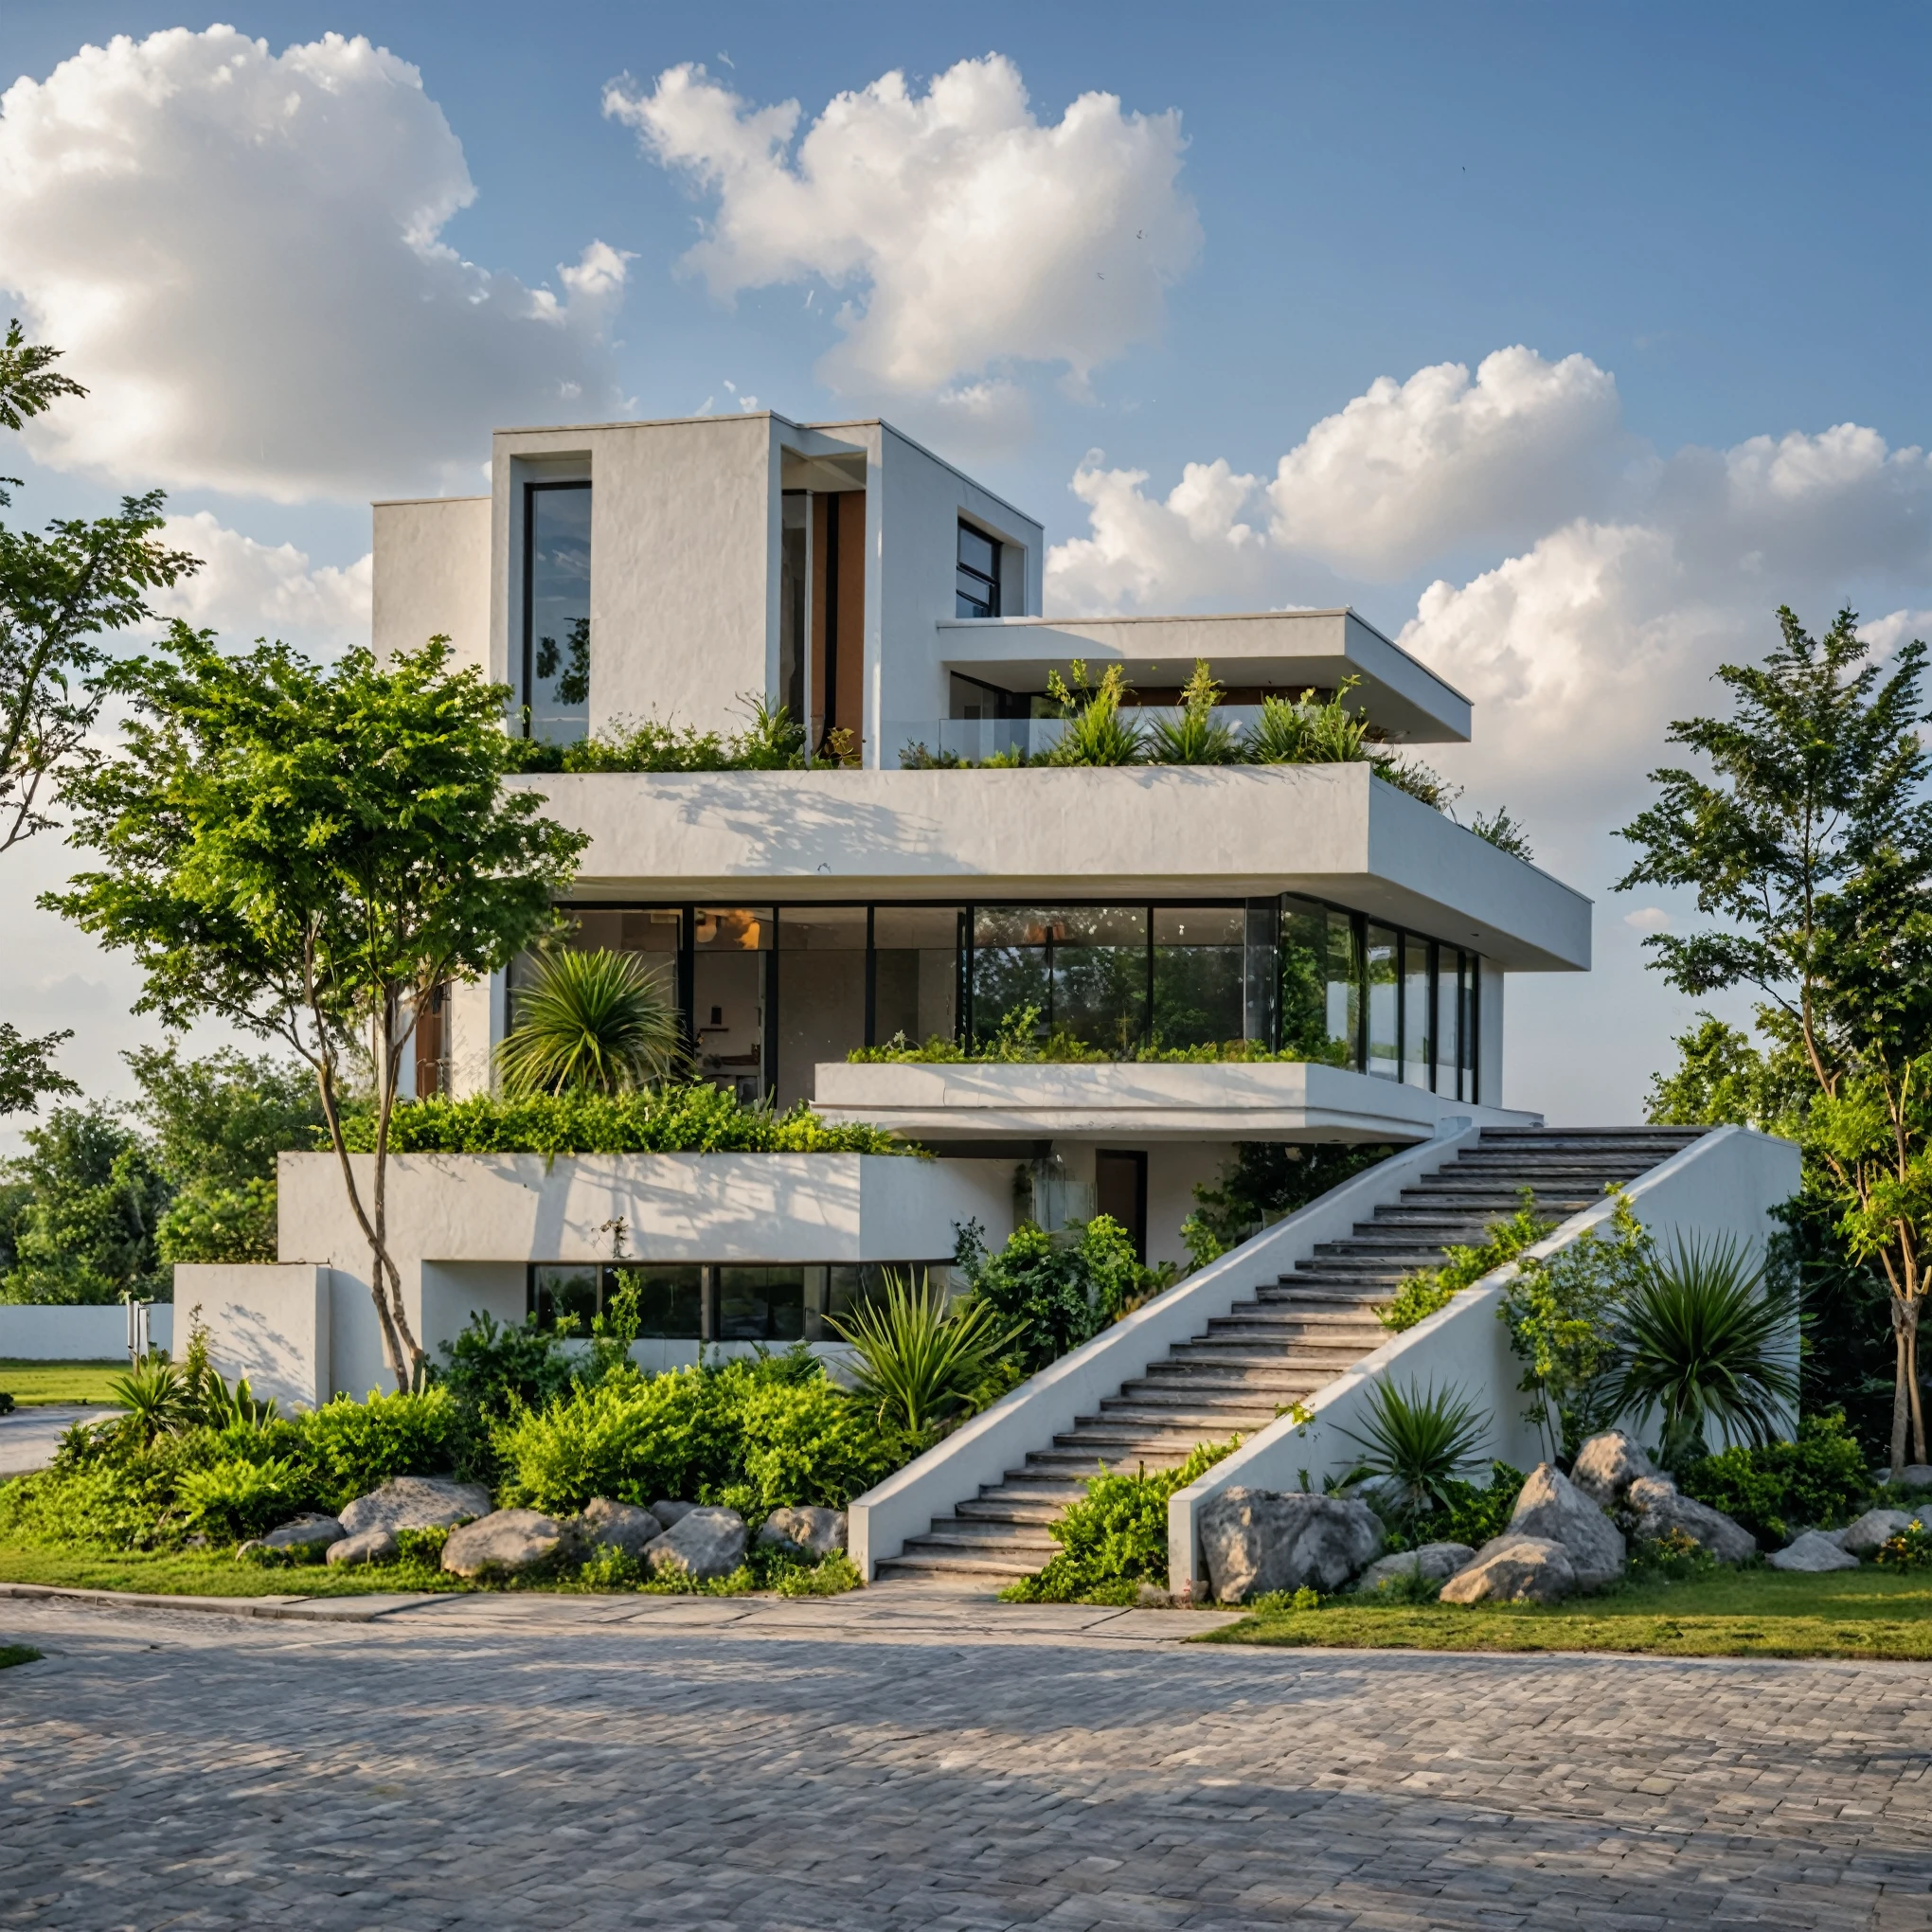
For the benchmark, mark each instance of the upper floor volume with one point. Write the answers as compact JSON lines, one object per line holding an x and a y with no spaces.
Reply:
{"x":680,"y":570}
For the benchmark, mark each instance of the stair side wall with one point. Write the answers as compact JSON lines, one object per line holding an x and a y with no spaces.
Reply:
{"x":1726,"y":1183}
{"x":980,"y":1453}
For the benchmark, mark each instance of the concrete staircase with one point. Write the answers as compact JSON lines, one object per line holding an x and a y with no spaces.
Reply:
{"x":1295,"y":1335}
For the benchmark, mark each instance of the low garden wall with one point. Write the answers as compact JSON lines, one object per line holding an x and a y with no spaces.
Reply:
{"x":1725,"y":1183}
{"x":33,"y":1332}
{"x":1000,"y":1438}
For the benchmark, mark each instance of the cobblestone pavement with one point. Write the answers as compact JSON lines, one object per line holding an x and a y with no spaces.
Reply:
{"x":908,"y":1761}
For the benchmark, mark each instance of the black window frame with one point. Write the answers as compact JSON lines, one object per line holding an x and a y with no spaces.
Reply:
{"x":532,"y":488}
{"x":962,"y":571}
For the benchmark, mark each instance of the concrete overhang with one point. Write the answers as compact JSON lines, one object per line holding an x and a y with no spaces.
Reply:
{"x":1045,"y":834}
{"x":1287,"y":650}
{"x":1140,"y":1100}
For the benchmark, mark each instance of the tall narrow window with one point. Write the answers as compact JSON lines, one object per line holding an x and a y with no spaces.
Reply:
{"x":556,"y":644}
{"x":978,"y":576}
{"x":794,"y":582}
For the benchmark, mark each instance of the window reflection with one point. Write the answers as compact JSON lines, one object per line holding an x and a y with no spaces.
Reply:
{"x":1200,"y":960}
{"x":557,"y":611}
{"x":1384,"y":1003}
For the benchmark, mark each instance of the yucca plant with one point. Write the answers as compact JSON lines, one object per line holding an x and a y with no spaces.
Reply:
{"x":919,"y":1364}
{"x":1096,"y":733}
{"x":1300,"y":731}
{"x":774,"y":740}
{"x":590,"y":1022}
{"x":1197,"y":736}
{"x":1709,"y":1343}
{"x":157,"y":1398}
{"x":1417,"y":1444}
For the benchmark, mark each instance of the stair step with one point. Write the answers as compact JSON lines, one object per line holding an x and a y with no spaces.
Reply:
{"x":955,"y":1566}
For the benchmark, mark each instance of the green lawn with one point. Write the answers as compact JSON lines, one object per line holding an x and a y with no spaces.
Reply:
{"x":1761,"y":1613}
{"x":194,"y":1573}
{"x":11,"y":1654}
{"x":32,"y":1384}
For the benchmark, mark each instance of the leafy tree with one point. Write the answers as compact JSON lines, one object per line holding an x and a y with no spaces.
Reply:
{"x":310,"y":852}
{"x":86,"y":1230}
{"x":58,"y":594}
{"x":1814,"y":847}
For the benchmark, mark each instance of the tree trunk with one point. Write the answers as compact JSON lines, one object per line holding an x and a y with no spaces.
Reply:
{"x":1906,"y":1409}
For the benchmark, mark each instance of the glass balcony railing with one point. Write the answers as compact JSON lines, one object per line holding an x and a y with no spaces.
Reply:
{"x":973,"y":740}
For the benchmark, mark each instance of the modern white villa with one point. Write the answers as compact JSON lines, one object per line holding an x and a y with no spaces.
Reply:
{"x":681,"y":571}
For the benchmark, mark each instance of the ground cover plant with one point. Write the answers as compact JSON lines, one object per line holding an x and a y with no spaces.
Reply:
{"x":11,"y":1654}
{"x":1419,"y":1295}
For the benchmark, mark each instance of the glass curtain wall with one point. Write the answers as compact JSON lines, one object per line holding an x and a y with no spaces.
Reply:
{"x":556,"y":641}
{"x":770,"y":993}
{"x":691,"y":1302}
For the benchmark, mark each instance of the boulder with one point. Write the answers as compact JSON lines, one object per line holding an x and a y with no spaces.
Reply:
{"x":305,"y":1533}
{"x":507,"y":1541}
{"x":416,"y":1502}
{"x":1606,"y":1465}
{"x":1812,"y":1551}
{"x":620,"y":1525}
{"x":1867,"y":1536}
{"x":807,"y":1532}
{"x":702,"y":1545}
{"x":1513,"y":1570}
{"x":1257,"y":1541}
{"x":1552,"y":1509}
{"x":670,"y":1512}
{"x":1661,"y":1508}
{"x":367,"y":1546}
{"x":1435,"y":1563}
{"x":1917,"y":1475}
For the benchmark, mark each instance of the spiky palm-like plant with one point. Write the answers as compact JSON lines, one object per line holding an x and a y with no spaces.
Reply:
{"x":1197,"y":736}
{"x":918,"y":1363}
{"x":157,"y":1398}
{"x":1096,"y":733}
{"x":590,"y":1022}
{"x":1416,"y":1443}
{"x":1300,"y":731}
{"x":1709,"y":1342}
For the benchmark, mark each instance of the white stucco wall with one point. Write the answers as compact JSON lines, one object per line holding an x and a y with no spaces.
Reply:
{"x":431,"y":575}
{"x":32,"y":1332}
{"x":1194,"y":830}
{"x":271,"y":1324}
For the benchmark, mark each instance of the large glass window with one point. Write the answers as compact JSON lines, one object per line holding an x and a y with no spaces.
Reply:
{"x":556,"y":654}
{"x":1418,"y":1010}
{"x":1200,"y":960}
{"x":821,"y":992}
{"x":1384,"y":1003}
{"x":794,"y":582}
{"x":978,"y":574}
{"x":730,"y":945}
{"x":1344,"y":990}
{"x":760,"y":1304}
{"x":1082,"y":970}
{"x":915,"y":972}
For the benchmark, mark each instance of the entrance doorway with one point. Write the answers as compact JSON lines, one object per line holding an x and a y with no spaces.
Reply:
{"x":1120,"y":1190}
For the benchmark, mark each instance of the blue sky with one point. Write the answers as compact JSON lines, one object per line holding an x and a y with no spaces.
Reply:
{"x":1708,"y":227}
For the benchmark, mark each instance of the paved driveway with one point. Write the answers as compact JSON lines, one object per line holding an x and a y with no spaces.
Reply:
{"x":908,"y":1761}
{"x":30,"y":1435}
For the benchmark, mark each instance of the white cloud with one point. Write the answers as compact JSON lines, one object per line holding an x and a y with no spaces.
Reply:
{"x":246,"y":590}
{"x":240,"y":253}
{"x":1647,"y":918}
{"x":969,"y":234}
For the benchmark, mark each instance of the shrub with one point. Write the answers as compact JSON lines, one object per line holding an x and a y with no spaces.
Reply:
{"x":209,"y":1222}
{"x":1467,"y":1514}
{"x":1704,"y":1346}
{"x":237,"y":1497}
{"x":1817,"y":1481}
{"x":1911,"y":1548}
{"x":1116,"y":1538}
{"x":1419,"y":1295}
{"x":357,"y":1446}
{"x":1417,"y":1444}
{"x":1055,"y":1291}
{"x":690,"y":1119}
{"x":917,"y":1364}
{"x":801,"y":1442}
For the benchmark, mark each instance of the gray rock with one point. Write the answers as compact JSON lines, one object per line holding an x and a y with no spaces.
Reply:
{"x":305,"y":1533}
{"x":1152,"y":1596}
{"x":367,"y":1546}
{"x":1917,"y":1475}
{"x":669,"y":1513}
{"x":1606,"y":1465}
{"x":702,"y":1545}
{"x":808,"y":1531}
{"x":1661,"y":1508}
{"x":1435,"y":1563}
{"x":1257,"y":1541}
{"x":416,"y":1502}
{"x":507,"y":1541}
{"x":1553,"y":1509}
{"x":620,"y":1525}
{"x":1513,"y":1570}
{"x":1813,"y":1552}
{"x":1871,"y":1531}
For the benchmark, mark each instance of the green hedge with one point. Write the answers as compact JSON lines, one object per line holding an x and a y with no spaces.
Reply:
{"x":693,"y":1118}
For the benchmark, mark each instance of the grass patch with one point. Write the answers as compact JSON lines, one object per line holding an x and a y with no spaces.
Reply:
{"x":11,"y":1654}
{"x":33,"y":1385}
{"x":1755,"y":1613}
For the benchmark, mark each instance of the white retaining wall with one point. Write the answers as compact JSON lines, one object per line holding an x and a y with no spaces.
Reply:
{"x":999,"y":1439}
{"x":38,"y":1333}
{"x":1726,"y":1183}
{"x":266,"y":1321}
